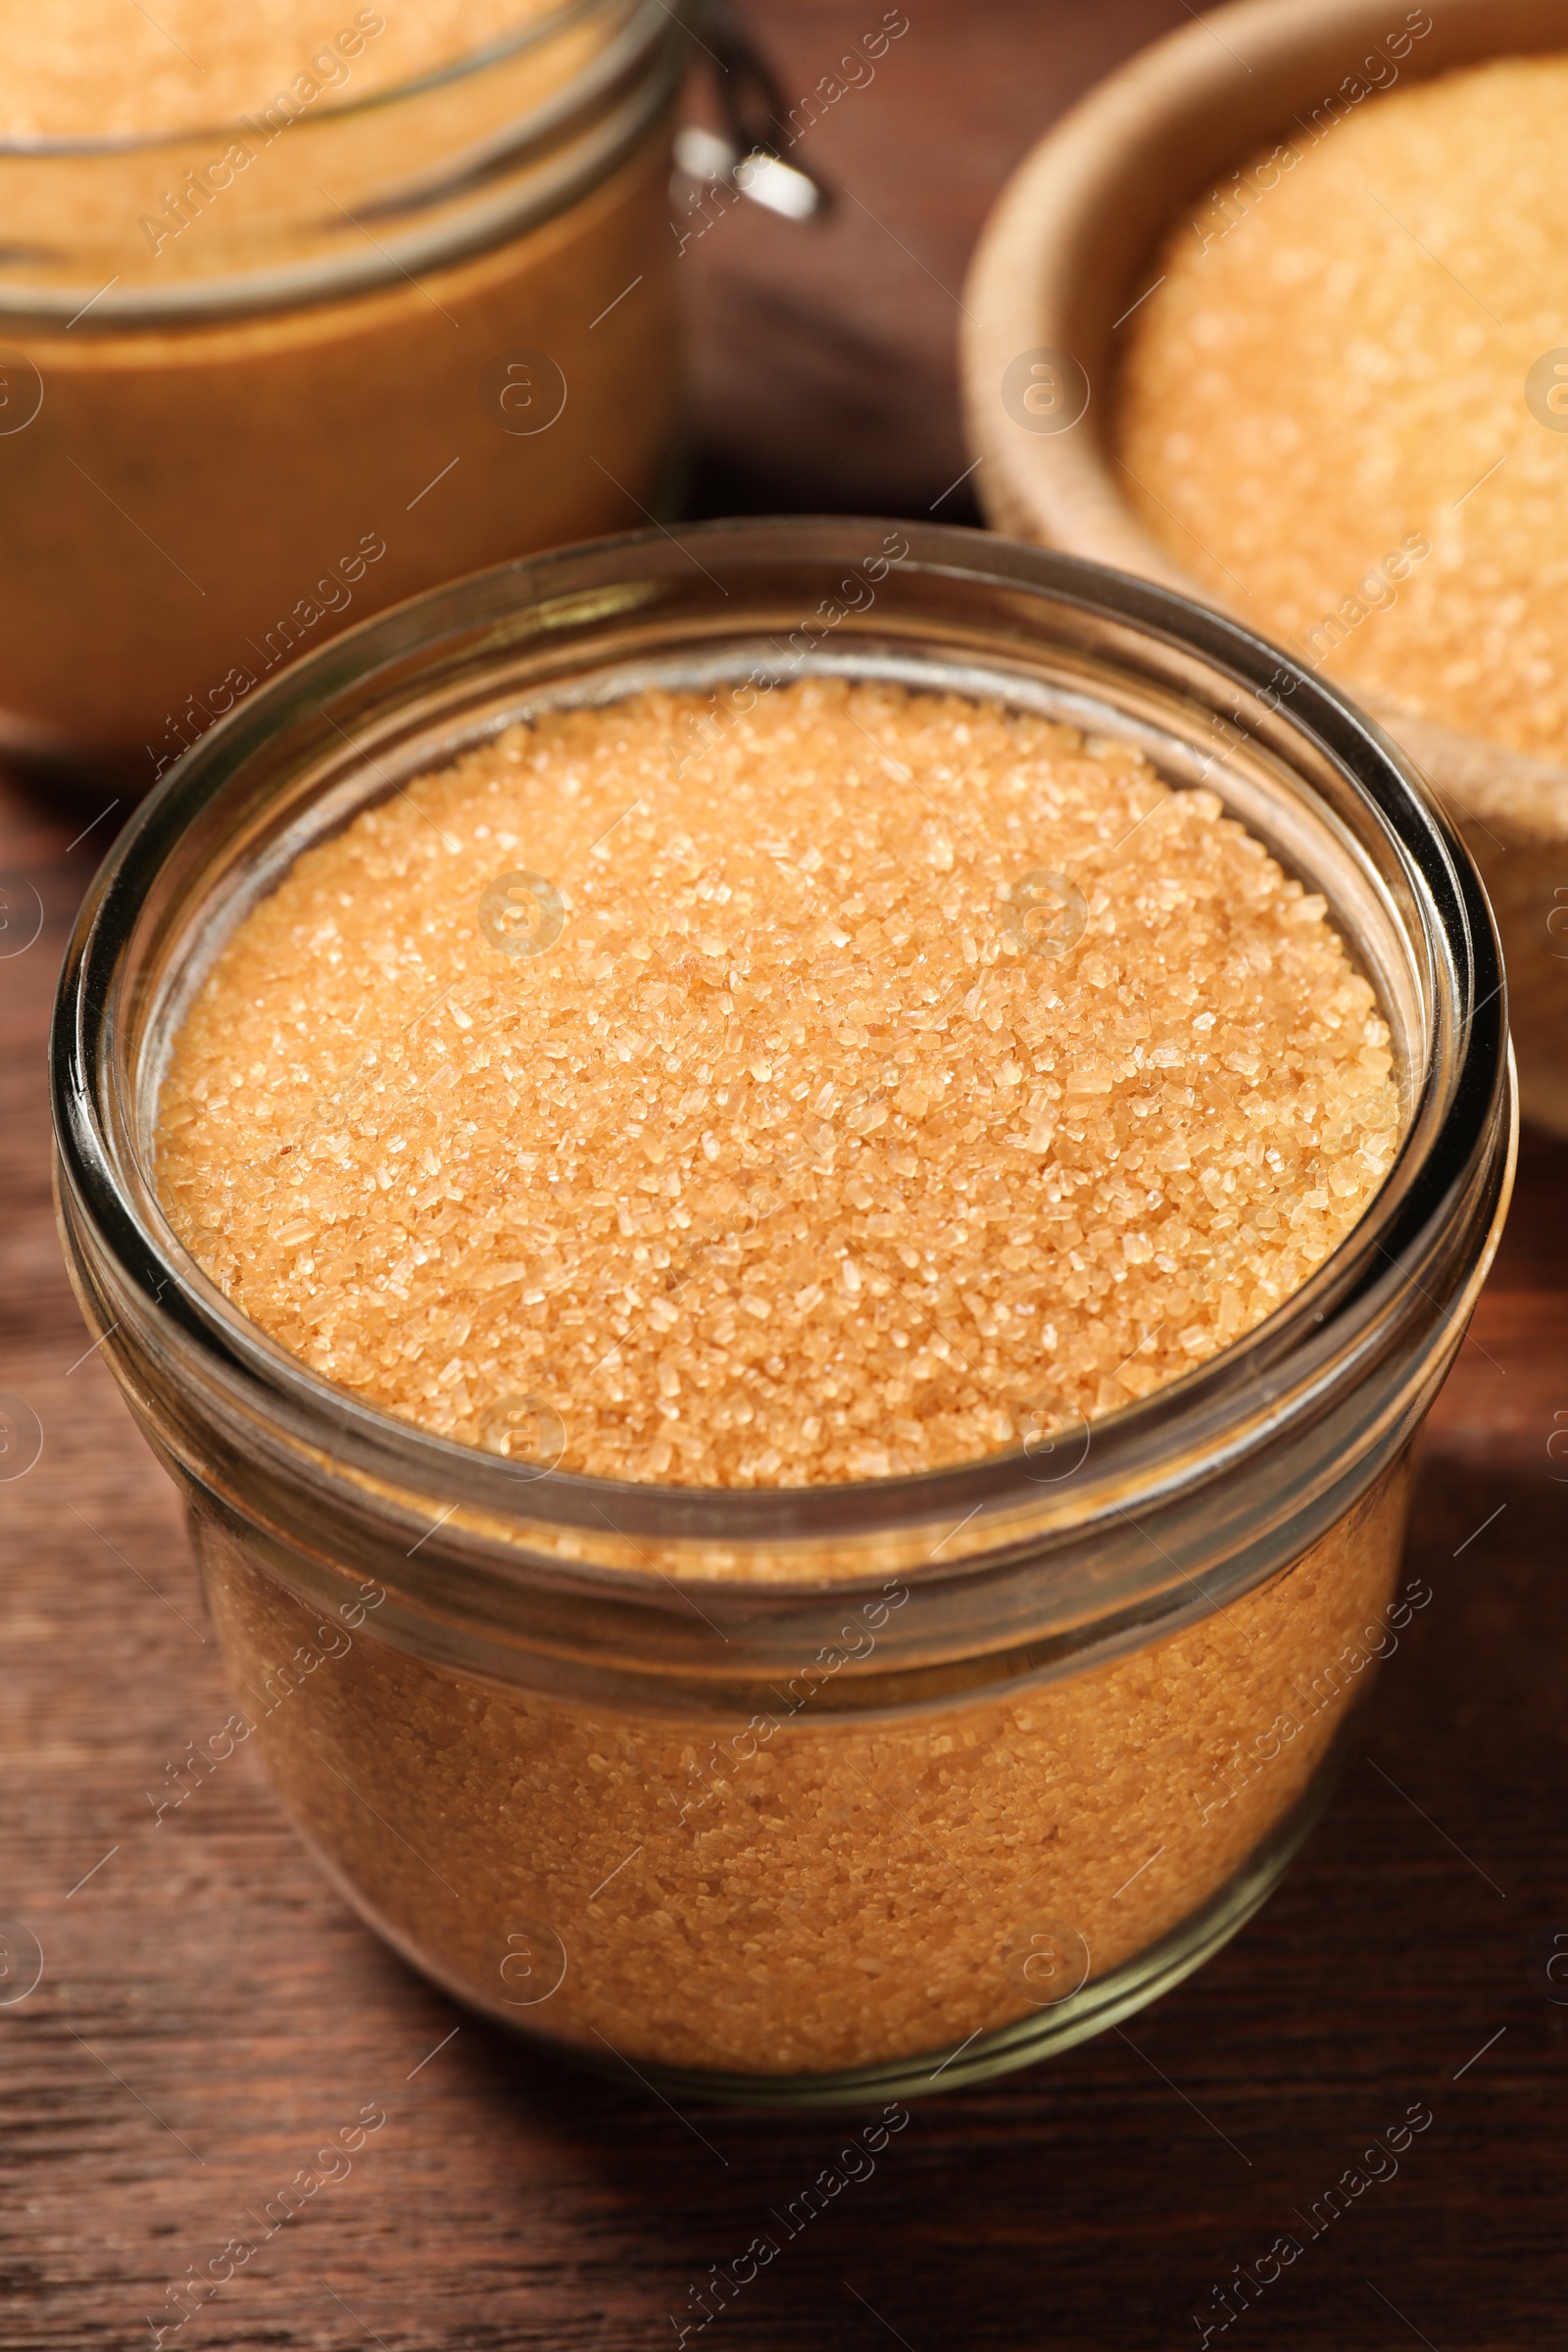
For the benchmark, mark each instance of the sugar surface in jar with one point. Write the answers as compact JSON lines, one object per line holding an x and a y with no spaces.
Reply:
{"x":105,"y":69}
{"x":746,"y":1097}
{"x":1342,"y":410}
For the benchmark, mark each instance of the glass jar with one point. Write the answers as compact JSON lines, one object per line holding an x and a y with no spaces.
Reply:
{"x":260,"y":380}
{"x":796,"y":1794}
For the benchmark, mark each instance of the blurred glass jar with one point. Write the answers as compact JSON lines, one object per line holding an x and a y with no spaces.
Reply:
{"x":260,"y":380}
{"x":800,"y":1794}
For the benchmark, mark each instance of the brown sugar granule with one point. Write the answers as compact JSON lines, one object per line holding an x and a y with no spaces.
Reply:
{"x":892,"y":1079}
{"x":1324,"y":411}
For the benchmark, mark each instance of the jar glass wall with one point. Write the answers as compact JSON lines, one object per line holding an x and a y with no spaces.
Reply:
{"x":263,"y":380}
{"x":782,"y":1793}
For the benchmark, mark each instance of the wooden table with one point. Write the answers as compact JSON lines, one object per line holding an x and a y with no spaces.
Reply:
{"x":208,"y":2011}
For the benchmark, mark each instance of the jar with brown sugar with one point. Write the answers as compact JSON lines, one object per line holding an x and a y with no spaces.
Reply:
{"x":304,"y":314}
{"x":786,"y":1201}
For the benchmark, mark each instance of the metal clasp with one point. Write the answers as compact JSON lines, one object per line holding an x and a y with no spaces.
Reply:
{"x":749,"y":153}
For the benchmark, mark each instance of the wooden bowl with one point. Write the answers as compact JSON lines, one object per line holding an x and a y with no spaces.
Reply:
{"x":1066,"y":256}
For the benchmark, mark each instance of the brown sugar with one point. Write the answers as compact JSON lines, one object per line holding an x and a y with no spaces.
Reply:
{"x":799,"y":1896}
{"x":103,"y":69}
{"x":1337,"y":407}
{"x":860,"y":1091}
{"x":819,"y":1089}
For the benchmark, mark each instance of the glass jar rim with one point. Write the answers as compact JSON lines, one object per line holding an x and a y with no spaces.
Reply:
{"x":532,"y":34}
{"x":1360,"y":1339}
{"x":448,"y":207}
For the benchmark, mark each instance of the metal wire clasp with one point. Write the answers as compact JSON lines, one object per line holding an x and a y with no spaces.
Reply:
{"x":747,"y":154}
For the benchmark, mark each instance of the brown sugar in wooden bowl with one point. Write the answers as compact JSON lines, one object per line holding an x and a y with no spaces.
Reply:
{"x":1200,"y":129}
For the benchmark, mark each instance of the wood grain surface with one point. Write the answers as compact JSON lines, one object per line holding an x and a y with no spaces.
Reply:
{"x":209,"y":2013}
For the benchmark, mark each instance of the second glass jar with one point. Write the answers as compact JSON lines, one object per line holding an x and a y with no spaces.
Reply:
{"x":261,"y":381}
